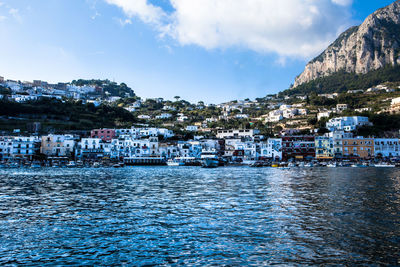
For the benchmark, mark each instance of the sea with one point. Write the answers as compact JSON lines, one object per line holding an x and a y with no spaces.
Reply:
{"x":230,"y":216}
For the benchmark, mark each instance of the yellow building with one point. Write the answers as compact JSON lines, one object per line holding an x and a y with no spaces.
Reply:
{"x":358,"y":147}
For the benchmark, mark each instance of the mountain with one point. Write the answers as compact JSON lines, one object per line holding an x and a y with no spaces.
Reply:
{"x":361,"y":49}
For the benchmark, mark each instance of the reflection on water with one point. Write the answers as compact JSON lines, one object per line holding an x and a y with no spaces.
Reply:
{"x":194,"y":216}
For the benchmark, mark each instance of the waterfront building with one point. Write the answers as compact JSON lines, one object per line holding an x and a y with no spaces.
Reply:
{"x":386,"y":147}
{"x":25,"y":147}
{"x":347,"y":123}
{"x":298,"y":147}
{"x":358,"y":147}
{"x":271,"y":149}
{"x":105,"y":135}
{"x":57,"y":145}
{"x":245,"y":133}
{"x":6,"y":147}
{"x":337,"y":137}
{"x":324,"y":148}
{"x":92,"y":148}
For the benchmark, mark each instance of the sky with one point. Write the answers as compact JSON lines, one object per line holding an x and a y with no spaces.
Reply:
{"x":200,"y":50}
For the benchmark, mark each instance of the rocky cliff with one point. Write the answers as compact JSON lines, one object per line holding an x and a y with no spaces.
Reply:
{"x":370,"y":46}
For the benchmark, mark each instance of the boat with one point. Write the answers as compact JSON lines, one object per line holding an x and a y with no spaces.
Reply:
{"x":96,"y":165}
{"x":13,"y":165}
{"x":309,"y":165}
{"x":209,"y":159}
{"x":332,"y":165}
{"x":358,"y":166}
{"x":384,"y":165}
{"x":118,"y":165}
{"x":36,"y":164}
{"x":175,"y":163}
{"x":71,"y":164}
{"x":292,"y":165}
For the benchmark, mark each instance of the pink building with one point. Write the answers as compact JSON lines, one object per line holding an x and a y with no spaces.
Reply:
{"x":104,"y":134}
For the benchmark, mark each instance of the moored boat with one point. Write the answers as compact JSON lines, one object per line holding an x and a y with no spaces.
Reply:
{"x":175,"y":163}
{"x":384,"y":165}
{"x":210,"y":159}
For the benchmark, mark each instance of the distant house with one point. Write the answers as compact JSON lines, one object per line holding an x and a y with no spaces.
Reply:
{"x":347,"y":123}
{"x":341,"y":107}
{"x":164,"y":116}
{"x":144,"y":117}
{"x":192,"y":128}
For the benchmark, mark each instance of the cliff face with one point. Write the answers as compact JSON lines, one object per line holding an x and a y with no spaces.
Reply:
{"x":370,"y":46}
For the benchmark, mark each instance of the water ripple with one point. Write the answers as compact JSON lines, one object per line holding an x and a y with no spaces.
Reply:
{"x":194,"y":216}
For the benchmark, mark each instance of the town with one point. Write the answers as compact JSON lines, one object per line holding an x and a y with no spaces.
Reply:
{"x":277,"y":130}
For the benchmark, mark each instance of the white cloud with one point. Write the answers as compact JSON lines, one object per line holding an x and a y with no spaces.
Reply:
{"x":343,"y":2}
{"x":139,"y":8}
{"x":2,"y":18}
{"x":15,"y":14}
{"x":124,"y":22}
{"x":290,"y":28}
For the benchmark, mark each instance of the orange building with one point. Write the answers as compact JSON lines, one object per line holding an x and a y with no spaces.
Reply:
{"x":358,"y":147}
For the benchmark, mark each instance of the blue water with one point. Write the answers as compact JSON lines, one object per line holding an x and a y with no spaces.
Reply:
{"x":195,"y":216}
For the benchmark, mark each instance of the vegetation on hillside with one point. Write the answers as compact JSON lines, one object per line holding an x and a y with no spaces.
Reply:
{"x":343,"y":81}
{"x":68,"y":115}
{"x":113,"y":88}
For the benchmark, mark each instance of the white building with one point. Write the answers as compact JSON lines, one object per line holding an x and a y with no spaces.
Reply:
{"x":324,"y":114}
{"x":144,"y":117}
{"x":164,"y":116}
{"x":341,"y":107}
{"x":225,"y":134}
{"x":241,"y":116}
{"x":274,"y":116}
{"x":395,"y":106}
{"x":386,"y":147}
{"x":129,"y":147}
{"x":347,"y":123}
{"x":92,"y":148}
{"x":271,"y":149}
{"x":25,"y":147}
{"x":192,"y":128}
{"x":182,"y":117}
{"x":6,"y":147}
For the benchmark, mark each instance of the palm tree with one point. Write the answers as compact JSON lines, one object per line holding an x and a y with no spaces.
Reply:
{"x":177,"y":98}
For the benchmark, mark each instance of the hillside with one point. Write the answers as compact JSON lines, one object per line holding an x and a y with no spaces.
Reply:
{"x":368,"y":47}
{"x":343,"y":81}
{"x":57,"y":115}
{"x":112,"y":88}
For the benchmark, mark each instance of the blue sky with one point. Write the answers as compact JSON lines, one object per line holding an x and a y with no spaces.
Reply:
{"x":206,"y":50}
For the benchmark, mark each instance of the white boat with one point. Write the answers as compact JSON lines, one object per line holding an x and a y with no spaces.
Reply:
{"x":175,"y":163}
{"x":384,"y":165}
{"x":36,"y":164}
{"x":291,"y":165}
{"x":71,"y":164}
{"x":332,"y":165}
{"x":309,"y":165}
